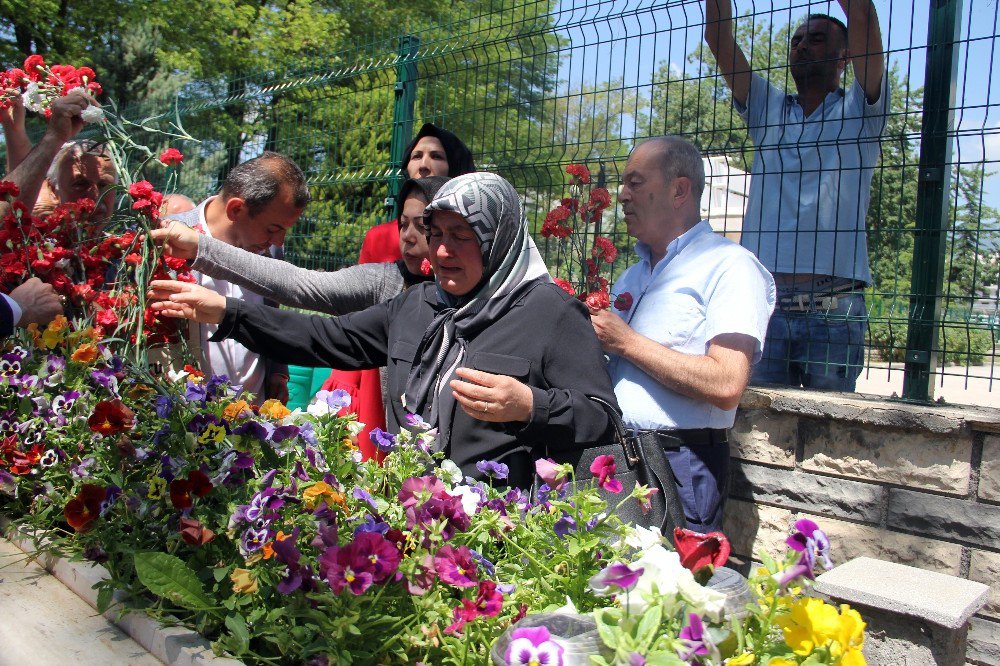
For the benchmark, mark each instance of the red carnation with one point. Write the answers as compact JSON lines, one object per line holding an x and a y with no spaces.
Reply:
{"x":7,"y":187}
{"x":171,"y":157}
{"x":111,"y":417}
{"x":604,"y":250}
{"x":580,"y":173}
{"x":598,"y":300}
{"x":623,"y":302}
{"x":565,"y":286}
{"x":84,"y":509}
{"x":142,"y":189}
{"x":33,"y":65}
{"x":699,"y":550}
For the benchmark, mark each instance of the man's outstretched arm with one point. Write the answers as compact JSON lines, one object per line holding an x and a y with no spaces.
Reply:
{"x":864,"y":46}
{"x":721,"y":40}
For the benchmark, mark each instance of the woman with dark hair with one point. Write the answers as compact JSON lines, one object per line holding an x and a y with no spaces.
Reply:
{"x":433,"y":152}
{"x":498,"y":358}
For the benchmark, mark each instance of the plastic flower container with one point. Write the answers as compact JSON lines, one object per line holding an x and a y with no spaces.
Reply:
{"x":576,"y":633}
{"x":734,"y":585}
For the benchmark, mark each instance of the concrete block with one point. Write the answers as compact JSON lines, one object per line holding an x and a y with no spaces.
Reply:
{"x":972,"y":522}
{"x":985,"y":568}
{"x":943,"y":600}
{"x":984,"y":642}
{"x":892,"y":639}
{"x":850,"y":540}
{"x":902,"y":458}
{"x":989,"y":471}
{"x":752,"y":528}
{"x":764,"y":437}
{"x":828,"y":495}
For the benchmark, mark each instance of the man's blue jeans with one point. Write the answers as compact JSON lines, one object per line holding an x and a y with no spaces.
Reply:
{"x":816,"y":348}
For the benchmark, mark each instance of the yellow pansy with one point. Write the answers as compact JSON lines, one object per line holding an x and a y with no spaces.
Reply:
{"x":157,"y":486}
{"x":781,"y":661}
{"x":243,"y":582}
{"x":810,"y":623}
{"x":745,"y":659}
{"x":853,"y":657}
{"x":852,"y":631}
{"x":274,"y":409}
{"x":213,"y":433}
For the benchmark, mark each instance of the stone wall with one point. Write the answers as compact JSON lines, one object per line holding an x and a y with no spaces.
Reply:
{"x":913,"y":484}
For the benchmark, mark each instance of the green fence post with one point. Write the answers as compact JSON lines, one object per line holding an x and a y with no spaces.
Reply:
{"x":402,"y":113}
{"x":933,"y":193}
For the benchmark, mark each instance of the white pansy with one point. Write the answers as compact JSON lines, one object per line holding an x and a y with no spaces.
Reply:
{"x":568,"y":609}
{"x":354,"y":428}
{"x":92,"y":114}
{"x":642,"y":538}
{"x":664,"y":575}
{"x":317,"y":408}
{"x":450,"y":472}
{"x":470,"y":498}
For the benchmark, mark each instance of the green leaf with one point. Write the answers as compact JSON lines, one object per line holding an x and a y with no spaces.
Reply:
{"x":608,"y":620}
{"x":219,"y":573}
{"x":238,"y":628}
{"x":168,"y":577}
{"x":664,"y":659}
{"x":649,"y":626}
{"x":104,"y":597}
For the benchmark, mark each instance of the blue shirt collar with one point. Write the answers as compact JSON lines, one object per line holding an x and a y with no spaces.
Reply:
{"x":675,"y":246}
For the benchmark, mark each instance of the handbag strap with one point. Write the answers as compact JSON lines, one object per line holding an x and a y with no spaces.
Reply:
{"x":621,"y":431}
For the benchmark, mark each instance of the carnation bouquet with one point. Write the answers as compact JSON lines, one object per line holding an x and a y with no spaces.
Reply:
{"x":573,"y":221}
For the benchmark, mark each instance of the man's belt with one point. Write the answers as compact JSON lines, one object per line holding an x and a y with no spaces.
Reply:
{"x":691,"y":436}
{"x":820,"y":300}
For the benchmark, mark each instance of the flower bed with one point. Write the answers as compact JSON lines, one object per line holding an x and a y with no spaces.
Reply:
{"x":263,"y":530}
{"x":266,"y":533}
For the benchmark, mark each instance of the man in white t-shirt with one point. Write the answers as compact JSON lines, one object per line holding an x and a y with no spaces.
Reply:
{"x":260,"y":201}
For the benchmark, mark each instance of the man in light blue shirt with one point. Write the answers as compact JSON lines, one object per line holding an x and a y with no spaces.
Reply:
{"x":810,"y":187}
{"x":688,"y":324}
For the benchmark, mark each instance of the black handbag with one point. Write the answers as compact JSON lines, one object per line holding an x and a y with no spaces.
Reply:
{"x":639,"y":457}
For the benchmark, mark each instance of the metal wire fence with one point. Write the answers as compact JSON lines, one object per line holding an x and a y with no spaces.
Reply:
{"x":535,"y":86}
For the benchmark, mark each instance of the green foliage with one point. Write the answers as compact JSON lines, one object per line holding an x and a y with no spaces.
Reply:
{"x":167,"y":576}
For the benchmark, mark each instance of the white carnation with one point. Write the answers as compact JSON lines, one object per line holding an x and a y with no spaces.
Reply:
{"x":663,"y":575}
{"x":92,"y":114}
{"x":32,"y":98}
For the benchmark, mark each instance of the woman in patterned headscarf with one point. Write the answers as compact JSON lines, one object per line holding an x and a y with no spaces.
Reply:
{"x":492,"y":353}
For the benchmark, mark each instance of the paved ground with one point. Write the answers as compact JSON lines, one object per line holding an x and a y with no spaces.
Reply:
{"x":43,"y":622}
{"x":957,"y":385}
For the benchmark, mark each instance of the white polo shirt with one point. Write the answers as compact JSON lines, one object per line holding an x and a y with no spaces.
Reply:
{"x":705,"y":286}
{"x":229,"y":357}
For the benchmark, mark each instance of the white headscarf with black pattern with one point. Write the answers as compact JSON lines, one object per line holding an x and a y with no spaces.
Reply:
{"x":511,"y":262}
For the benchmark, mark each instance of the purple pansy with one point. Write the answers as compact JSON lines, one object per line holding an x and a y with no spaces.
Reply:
{"x":695,"y":638}
{"x":164,"y":406}
{"x":383,"y":441}
{"x":415,"y":422}
{"x":564,"y":526}
{"x":493,"y":469}
{"x":811,"y":542}
{"x":617,"y":575}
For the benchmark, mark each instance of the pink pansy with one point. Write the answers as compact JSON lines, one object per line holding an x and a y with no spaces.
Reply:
{"x":419,"y":489}
{"x":552,"y":474}
{"x":533,"y":647}
{"x":604,"y":468}
{"x":455,"y":566}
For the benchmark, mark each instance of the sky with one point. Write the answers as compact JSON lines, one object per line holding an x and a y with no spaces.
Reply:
{"x":631,"y":38}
